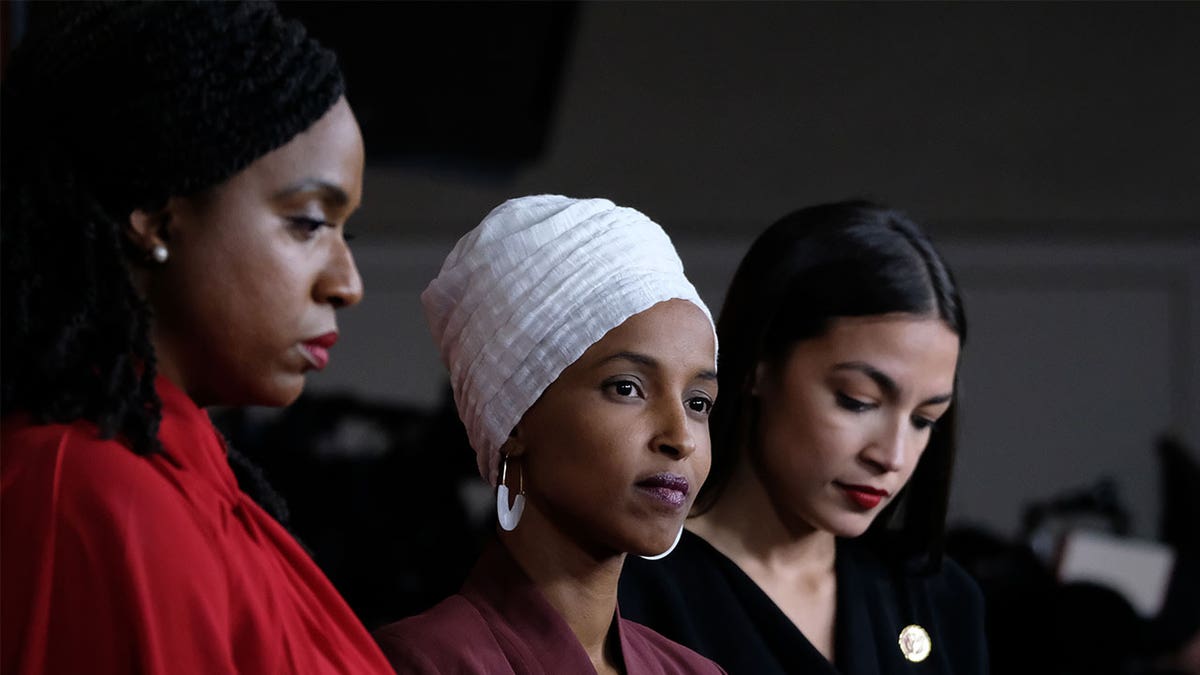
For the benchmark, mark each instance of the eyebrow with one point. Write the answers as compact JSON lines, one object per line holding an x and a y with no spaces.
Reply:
{"x":886,"y":383}
{"x":330,"y":193}
{"x":652,"y":363}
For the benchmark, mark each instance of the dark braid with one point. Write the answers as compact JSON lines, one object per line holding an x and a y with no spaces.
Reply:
{"x":251,"y":480}
{"x":75,"y":331}
{"x":112,"y":108}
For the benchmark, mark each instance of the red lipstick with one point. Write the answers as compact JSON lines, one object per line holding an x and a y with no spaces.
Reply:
{"x":669,"y":488}
{"x":317,"y":349}
{"x":865,"y":496}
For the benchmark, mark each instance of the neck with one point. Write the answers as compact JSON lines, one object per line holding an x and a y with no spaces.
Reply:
{"x":168,"y":367}
{"x":747,"y":527}
{"x":580,"y":585}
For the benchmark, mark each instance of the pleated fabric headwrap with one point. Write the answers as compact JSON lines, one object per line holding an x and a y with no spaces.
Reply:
{"x":524,"y":294}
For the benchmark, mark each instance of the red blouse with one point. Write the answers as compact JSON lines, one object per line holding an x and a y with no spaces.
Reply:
{"x":116,"y":563}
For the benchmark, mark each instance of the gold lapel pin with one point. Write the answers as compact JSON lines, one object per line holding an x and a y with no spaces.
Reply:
{"x":915,"y":643}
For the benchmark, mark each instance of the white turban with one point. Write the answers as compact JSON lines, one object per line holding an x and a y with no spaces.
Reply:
{"x":524,"y":294}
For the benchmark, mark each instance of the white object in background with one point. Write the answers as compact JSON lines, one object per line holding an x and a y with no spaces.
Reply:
{"x":1138,"y":569}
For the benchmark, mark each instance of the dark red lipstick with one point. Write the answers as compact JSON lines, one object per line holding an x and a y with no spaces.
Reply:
{"x":316,"y":350}
{"x":865,"y":496}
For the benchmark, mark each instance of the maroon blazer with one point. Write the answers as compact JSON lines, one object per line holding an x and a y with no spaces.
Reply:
{"x":500,"y":623}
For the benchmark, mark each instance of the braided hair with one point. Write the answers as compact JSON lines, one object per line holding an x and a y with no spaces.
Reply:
{"x":118,"y":106}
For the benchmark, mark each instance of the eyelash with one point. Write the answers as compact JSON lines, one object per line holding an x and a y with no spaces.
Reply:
{"x":705,"y":403}
{"x":308,"y":226}
{"x":854,"y":405}
{"x":708,"y":405}
{"x":612,"y":386}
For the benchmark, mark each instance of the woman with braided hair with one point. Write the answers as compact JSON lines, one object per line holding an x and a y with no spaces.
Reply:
{"x":176,"y":179}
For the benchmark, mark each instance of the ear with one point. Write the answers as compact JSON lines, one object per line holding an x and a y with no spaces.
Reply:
{"x":513,"y":447}
{"x":148,"y":229}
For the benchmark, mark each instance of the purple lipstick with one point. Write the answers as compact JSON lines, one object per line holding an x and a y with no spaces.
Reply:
{"x":669,"y":488}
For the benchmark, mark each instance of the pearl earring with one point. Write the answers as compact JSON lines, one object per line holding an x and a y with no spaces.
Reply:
{"x":160,"y":253}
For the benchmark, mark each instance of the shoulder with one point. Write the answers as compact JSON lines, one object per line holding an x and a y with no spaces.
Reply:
{"x":955,"y":578}
{"x":693,"y":563}
{"x":644,"y":647}
{"x":437,"y":624}
{"x":64,"y":478}
{"x":694,"y":597}
{"x":958,"y":602}
{"x":953,"y":589}
{"x":451,"y":636}
{"x":660,"y":593}
{"x":947,"y":602}
{"x":70,"y":462}
{"x":77,"y":509}
{"x":27,"y":441}
{"x":645,"y":578}
{"x":949,"y":587}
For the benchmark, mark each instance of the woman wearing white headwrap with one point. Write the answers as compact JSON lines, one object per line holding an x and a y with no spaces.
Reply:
{"x":583,"y":365}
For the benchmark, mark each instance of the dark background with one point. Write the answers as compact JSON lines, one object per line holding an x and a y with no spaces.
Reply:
{"x":1052,"y":149}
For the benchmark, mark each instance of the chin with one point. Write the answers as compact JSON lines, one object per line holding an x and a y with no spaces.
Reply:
{"x":841,"y":524}
{"x":661,"y":541}
{"x":286,"y":398}
{"x":849,"y":528}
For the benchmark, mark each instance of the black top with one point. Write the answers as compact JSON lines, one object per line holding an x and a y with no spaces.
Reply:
{"x":698,"y":597}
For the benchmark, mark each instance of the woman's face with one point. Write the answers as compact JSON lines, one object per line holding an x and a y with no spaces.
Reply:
{"x":614,"y":451}
{"x":846,"y":416}
{"x":258,"y":266}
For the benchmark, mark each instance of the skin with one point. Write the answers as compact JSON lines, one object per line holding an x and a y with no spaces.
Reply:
{"x":852,"y":407}
{"x":634,"y":405}
{"x":258,"y":266}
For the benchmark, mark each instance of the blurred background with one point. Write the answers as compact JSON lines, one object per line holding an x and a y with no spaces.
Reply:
{"x":1052,"y":150}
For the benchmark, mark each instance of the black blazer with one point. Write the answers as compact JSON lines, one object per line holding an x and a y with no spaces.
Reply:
{"x":698,"y":597}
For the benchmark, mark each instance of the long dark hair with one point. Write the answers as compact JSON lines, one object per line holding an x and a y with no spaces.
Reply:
{"x":844,"y":259}
{"x":109,"y":107}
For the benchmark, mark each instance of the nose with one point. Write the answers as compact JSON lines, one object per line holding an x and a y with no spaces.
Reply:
{"x":674,"y":436}
{"x":889,"y":450}
{"x":339,"y":284}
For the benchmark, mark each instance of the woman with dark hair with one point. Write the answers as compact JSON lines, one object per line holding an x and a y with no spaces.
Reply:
{"x":176,"y":178}
{"x":816,"y":545}
{"x":583,"y":367}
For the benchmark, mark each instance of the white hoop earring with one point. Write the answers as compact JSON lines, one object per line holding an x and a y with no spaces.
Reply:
{"x":509,"y":517}
{"x":667,"y":552}
{"x":159,"y":253}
